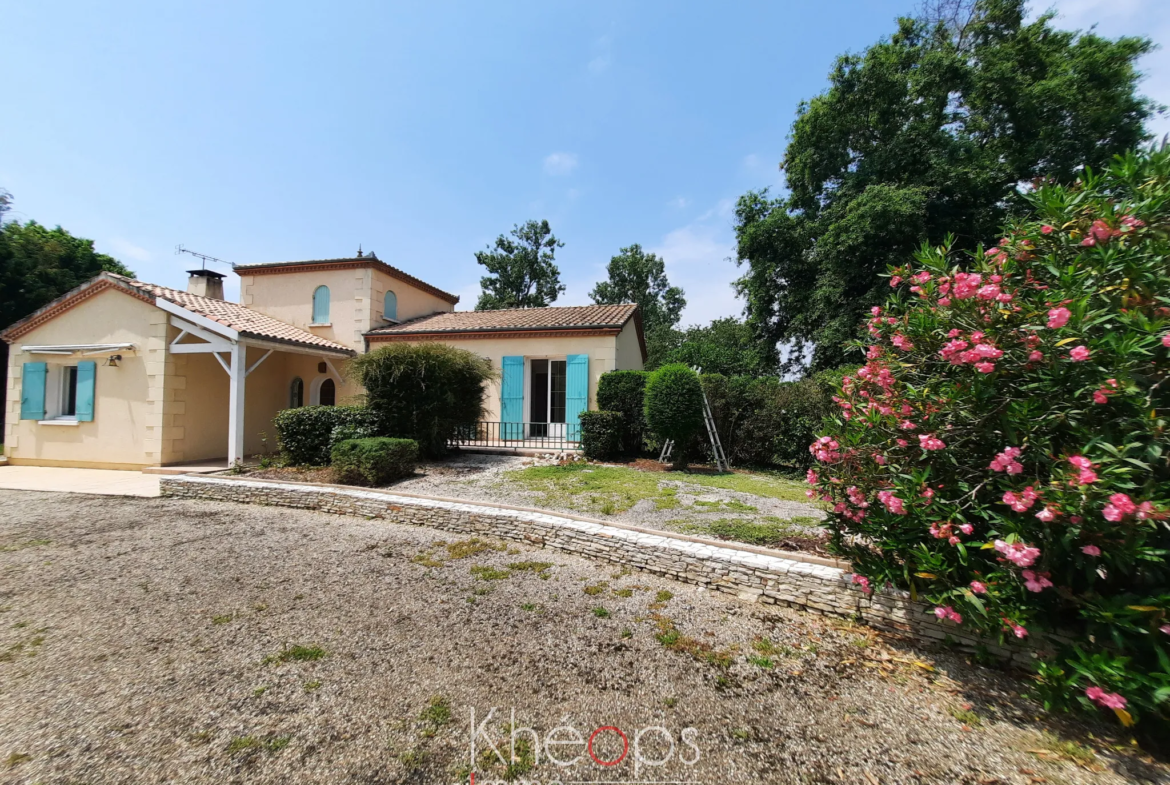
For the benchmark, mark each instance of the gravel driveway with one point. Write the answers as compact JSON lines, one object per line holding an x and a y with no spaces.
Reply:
{"x":155,"y":640}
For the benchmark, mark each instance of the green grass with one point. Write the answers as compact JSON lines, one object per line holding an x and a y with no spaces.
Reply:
{"x":22,"y":545}
{"x":613,"y":489}
{"x":765,"y":531}
{"x":600,"y":612}
{"x":297,"y":653}
{"x":484,"y":573}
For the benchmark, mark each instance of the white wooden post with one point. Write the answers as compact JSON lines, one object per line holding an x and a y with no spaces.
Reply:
{"x":238,"y":374}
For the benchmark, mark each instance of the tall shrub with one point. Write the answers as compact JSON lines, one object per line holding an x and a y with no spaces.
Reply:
{"x":674,"y":407}
{"x":1003,"y":452}
{"x":424,"y":391}
{"x":624,"y":392}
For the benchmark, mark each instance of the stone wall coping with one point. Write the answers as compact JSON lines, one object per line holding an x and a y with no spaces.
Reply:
{"x":663,"y":537}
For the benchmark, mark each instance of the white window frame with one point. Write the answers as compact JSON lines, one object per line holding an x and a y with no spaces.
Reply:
{"x":56,"y":394}
{"x":556,"y":430}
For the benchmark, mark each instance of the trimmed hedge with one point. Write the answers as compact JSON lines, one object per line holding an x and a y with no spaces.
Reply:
{"x":602,"y":435}
{"x":624,"y":392}
{"x":305,"y":434}
{"x":674,"y":406}
{"x":374,"y":461}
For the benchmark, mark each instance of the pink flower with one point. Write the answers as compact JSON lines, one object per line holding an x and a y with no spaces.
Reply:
{"x":1086,"y":474}
{"x":1108,"y":700}
{"x":930,"y":442}
{"x":985,"y":367}
{"x":978,"y":587}
{"x":897,"y":279}
{"x":1123,"y":503}
{"x":892,"y":502}
{"x":944,"y":301}
{"x":1166,"y":340}
{"x":1045,"y":229}
{"x":906,"y":425}
{"x":955,"y":333}
{"x":902,"y":342}
{"x":1006,"y":461}
{"x":948,"y":613}
{"x":876,"y":310}
{"x":1046,"y":515}
{"x":1165,"y":628}
{"x":1023,"y":501}
{"x":1036,"y":356}
{"x":811,"y":477}
{"x":988,"y":292}
{"x":880,"y":460}
{"x":966,"y":528}
{"x":863,"y":582}
{"x":1036,"y":582}
{"x":1099,"y":397}
{"x":1016,"y":629}
{"x":967,"y":284}
{"x":1090,"y":550}
{"x":1079,"y":354}
{"x":1018,"y":553}
{"x":902,"y":443}
{"x":1058,"y":317}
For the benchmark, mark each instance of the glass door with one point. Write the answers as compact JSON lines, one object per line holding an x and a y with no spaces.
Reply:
{"x":546,"y":398}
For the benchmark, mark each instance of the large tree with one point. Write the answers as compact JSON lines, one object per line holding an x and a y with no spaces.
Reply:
{"x":725,"y":346}
{"x":522,"y":269}
{"x":37,"y":265}
{"x":935,"y":131}
{"x":639,"y":277}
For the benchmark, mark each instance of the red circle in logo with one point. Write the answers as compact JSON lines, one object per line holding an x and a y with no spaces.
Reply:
{"x":620,"y":758}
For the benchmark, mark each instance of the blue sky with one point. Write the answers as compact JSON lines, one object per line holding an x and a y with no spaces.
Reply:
{"x":268,"y":132}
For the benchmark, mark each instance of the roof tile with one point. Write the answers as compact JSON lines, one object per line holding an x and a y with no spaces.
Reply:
{"x":576,"y":317}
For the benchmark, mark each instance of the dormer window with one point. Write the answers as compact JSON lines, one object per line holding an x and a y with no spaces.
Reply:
{"x":321,"y":305}
{"x":390,"y":307}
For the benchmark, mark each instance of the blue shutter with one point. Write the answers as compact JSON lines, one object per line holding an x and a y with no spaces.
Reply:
{"x":32,"y":391}
{"x":390,"y":307}
{"x":512,"y":399}
{"x":576,"y":393}
{"x":321,"y":305}
{"x":86,"y":374}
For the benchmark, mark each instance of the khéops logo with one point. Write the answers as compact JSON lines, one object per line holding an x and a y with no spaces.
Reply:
{"x":604,"y":747}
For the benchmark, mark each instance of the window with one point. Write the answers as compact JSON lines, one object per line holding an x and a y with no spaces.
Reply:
{"x":390,"y":307}
{"x":327,"y":394}
{"x":546,"y":397}
{"x":321,"y":305}
{"x":296,"y":393}
{"x":68,"y":382}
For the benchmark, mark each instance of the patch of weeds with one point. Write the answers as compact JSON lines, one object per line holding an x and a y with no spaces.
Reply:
{"x":596,"y":588}
{"x":627,"y":633}
{"x":20,"y":546}
{"x":263,"y":688}
{"x":624,"y":592}
{"x":531,"y":607}
{"x":663,"y":596}
{"x":16,"y":758}
{"x":768,"y":531}
{"x":720,"y":504}
{"x":1069,"y":750}
{"x":200,"y":737}
{"x":276,"y":743}
{"x":742,"y":734}
{"x":426,"y":560}
{"x":601,"y":612}
{"x":764,"y":646}
{"x":761,"y":662}
{"x":540,"y":568}
{"x":312,"y":686}
{"x":260,"y":607}
{"x":297,"y":653}
{"x":667,"y":500}
{"x":243,"y":744}
{"x":484,"y":573}
{"x":413,"y":759}
{"x":674,"y":640}
{"x":435,"y":715}
{"x":670,"y":703}
{"x":965,"y":716}
{"x":607,"y":507}
{"x":623,"y":572}
{"x":464,"y":549}
{"x":523,"y":760}
{"x":483,"y":591}
{"x":223,"y":619}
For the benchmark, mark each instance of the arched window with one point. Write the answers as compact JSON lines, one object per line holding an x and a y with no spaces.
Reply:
{"x":327,"y":394}
{"x":390,"y":307}
{"x":321,"y":305}
{"x":296,"y":393}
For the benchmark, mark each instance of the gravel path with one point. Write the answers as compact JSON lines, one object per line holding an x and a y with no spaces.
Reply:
{"x":155,"y":640}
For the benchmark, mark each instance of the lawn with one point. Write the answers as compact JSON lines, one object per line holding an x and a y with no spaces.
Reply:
{"x":615,"y":489}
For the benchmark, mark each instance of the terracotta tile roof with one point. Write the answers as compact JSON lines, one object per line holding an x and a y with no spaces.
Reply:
{"x":247,"y":322}
{"x":575,"y":317}
{"x":369,"y":260}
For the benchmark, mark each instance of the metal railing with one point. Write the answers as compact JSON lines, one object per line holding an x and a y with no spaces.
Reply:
{"x":519,"y":435}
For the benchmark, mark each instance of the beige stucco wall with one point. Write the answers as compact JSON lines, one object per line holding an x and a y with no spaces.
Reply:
{"x":602,"y":351}
{"x":629,"y":350}
{"x":126,"y":429}
{"x":356,"y":297}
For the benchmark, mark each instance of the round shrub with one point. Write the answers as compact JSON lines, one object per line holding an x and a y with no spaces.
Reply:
{"x":305,"y":434}
{"x":424,"y":391}
{"x":674,"y":406}
{"x":374,"y":461}
{"x":624,"y":392}
{"x":1003,"y":452}
{"x":602,"y":434}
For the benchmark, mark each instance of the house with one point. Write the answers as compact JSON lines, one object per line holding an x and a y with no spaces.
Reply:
{"x":119,"y":373}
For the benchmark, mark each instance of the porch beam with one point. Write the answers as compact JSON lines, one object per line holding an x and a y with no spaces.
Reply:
{"x":237,"y":373}
{"x":222,"y":364}
{"x":256,"y":364}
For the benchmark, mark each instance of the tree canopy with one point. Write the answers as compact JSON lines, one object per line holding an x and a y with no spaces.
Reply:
{"x":726,"y":346}
{"x":639,"y":277}
{"x":937,"y":130}
{"x":522,"y":269}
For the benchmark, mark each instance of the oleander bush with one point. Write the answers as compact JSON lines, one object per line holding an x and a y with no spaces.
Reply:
{"x":1003,"y":453}
{"x":674,"y":407}
{"x":373,"y":461}
{"x":305,"y":434}
{"x":424,"y":391}
{"x":624,"y":392}
{"x":602,"y":435}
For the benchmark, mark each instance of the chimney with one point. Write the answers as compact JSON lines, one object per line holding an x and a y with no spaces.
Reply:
{"x":205,"y":283}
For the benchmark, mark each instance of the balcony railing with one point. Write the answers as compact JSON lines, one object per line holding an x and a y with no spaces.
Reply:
{"x":519,"y":435}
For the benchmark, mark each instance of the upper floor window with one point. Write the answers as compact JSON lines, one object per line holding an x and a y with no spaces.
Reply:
{"x":390,"y":307}
{"x":321,"y":305}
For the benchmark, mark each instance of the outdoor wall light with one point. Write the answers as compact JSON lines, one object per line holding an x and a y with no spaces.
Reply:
{"x":114,"y":360}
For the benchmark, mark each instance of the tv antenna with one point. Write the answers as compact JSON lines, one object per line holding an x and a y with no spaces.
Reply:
{"x":203,"y":258}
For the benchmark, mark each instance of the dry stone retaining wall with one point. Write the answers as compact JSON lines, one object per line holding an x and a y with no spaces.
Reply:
{"x":748,"y":575}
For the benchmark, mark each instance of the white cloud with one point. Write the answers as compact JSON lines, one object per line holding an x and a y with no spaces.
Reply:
{"x":124,"y":249}
{"x":560,"y":163}
{"x":698,"y":258}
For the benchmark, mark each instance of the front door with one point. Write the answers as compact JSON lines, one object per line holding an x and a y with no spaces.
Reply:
{"x":546,"y":398}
